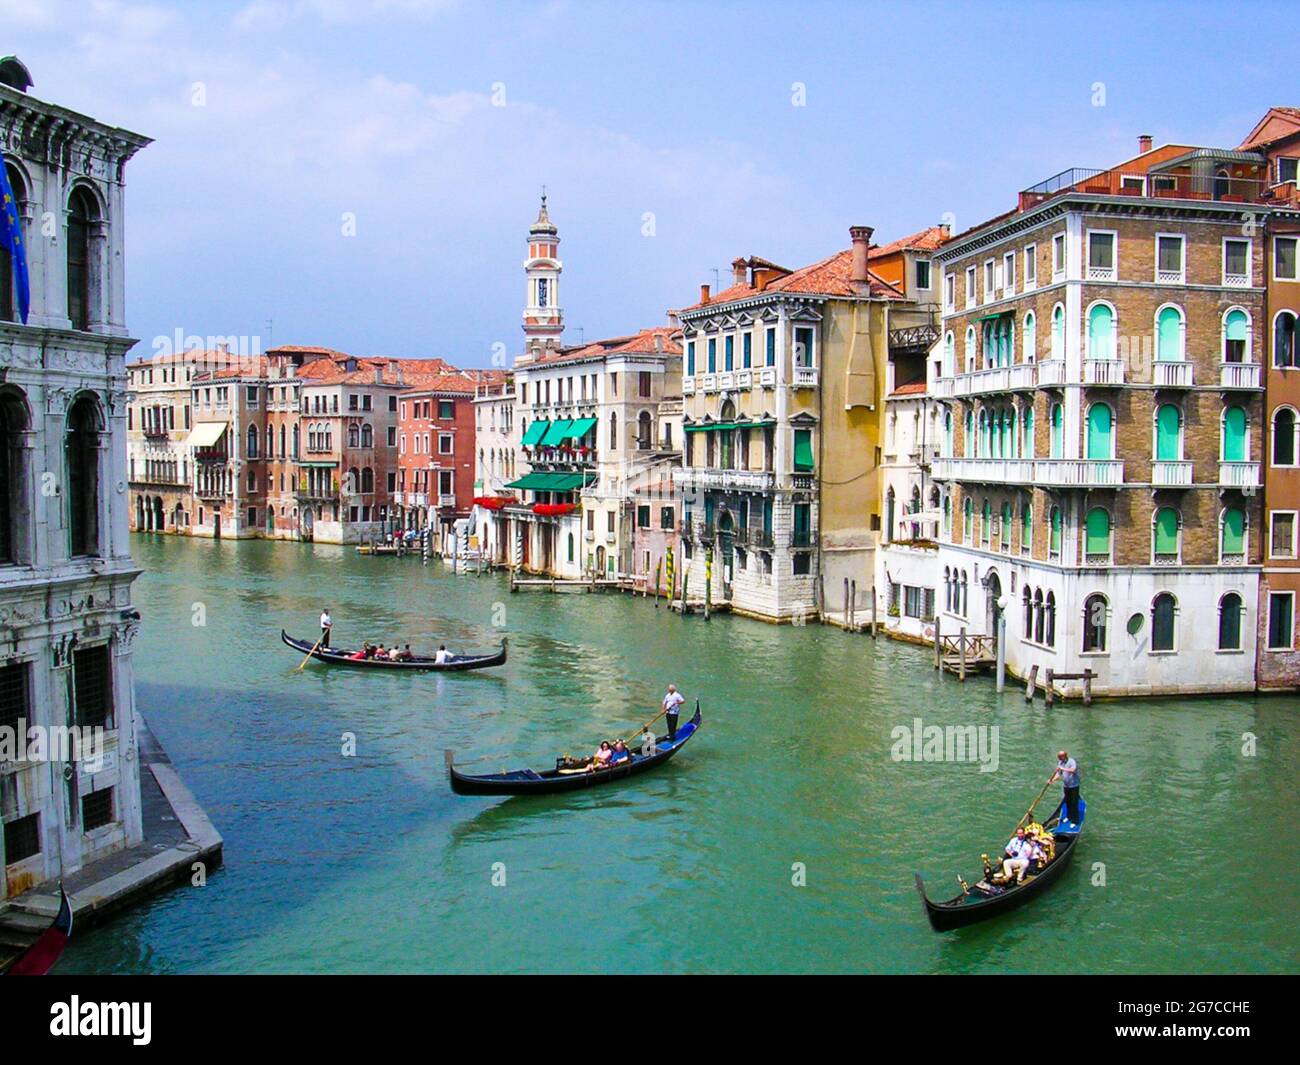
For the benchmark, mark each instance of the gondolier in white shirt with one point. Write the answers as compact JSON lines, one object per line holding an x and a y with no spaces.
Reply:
{"x":326,"y":623}
{"x":672,"y":701}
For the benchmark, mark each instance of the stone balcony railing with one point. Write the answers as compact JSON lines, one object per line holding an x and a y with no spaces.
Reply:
{"x":1059,"y":472}
{"x":1065,"y":473}
{"x":1009,"y":471}
{"x":1239,"y":375}
{"x":1172,"y":374}
{"x":693,"y":477}
{"x":1103,"y":371}
{"x":1239,"y":474}
{"x":1171,"y":474}
{"x":805,"y":377}
{"x":1051,"y":372}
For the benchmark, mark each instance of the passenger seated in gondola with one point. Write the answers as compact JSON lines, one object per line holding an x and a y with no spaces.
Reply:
{"x":359,"y":656}
{"x":621,"y":753}
{"x":600,"y":760}
{"x":443,"y":655}
{"x":378,"y":652}
{"x":1015,"y":860}
{"x":395,"y":654}
{"x":1033,"y":853}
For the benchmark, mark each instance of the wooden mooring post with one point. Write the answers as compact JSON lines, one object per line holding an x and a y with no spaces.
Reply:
{"x":961,"y":654}
{"x":1049,"y":695}
{"x":938,"y":642}
{"x":853,"y":605}
{"x":873,"y":611}
{"x":1029,"y":687}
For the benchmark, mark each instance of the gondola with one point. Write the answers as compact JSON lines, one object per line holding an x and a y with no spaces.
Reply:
{"x":39,"y":958}
{"x":983,"y":900}
{"x":548,"y":781}
{"x":338,"y":656}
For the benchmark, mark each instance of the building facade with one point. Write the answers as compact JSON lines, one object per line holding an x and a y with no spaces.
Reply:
{"x":436,"y":438}
{"x":65,"y":565}
{"x":159,"y":462}
{"x":1100,"y":370}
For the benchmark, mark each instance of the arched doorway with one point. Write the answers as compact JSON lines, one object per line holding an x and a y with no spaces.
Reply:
{"x":308,"y":522}
{"x":992,"y":593}
{"x":216,"y":525}
{"x":727,"y":549}
{"x":159,"y":520}
{"x":600,"y":560}
{"x":139,"y":514}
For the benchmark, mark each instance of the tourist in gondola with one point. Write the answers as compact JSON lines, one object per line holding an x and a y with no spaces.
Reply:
{"x":1067,"y":772}
{"x":672,"y":703}
{"x":326,"y":624}
{"x":603,"y":754}
{"x":1016,"y":859}
{"x":621,"y":753}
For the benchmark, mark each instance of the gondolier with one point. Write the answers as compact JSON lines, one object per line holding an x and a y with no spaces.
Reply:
{"x":326,"y":623}
{"x":1067,"y":771}
{"x":672,"y":701}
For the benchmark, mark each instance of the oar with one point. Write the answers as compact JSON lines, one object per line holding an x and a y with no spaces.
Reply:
{"x":1036,"y":801}
{"x":310,"y":653}
{"x":650,"y":722}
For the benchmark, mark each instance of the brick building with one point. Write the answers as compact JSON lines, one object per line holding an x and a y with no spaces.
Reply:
{"x":435,"y":452}
{"x":1100,"y":366}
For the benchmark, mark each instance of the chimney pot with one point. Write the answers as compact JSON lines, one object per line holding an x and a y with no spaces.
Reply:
{"x":1144,"y":142}
{"x":704,"y":293}
{"x":861,"y":237}
{"x":738,"y":271}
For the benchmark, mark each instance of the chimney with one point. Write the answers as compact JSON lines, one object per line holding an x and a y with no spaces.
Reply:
{"x":659,"y":343}
{"x":738,"y":270}
{"x":1144,"y":143}
{"x":704,"y":293}
{"x":861,"y":237}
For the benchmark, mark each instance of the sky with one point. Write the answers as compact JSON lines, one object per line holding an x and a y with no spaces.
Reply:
{"x":361,"y":174}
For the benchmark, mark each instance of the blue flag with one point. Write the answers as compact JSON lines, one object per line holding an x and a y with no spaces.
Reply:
{"x":12,"y":236}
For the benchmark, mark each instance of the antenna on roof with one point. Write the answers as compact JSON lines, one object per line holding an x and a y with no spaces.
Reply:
{"x":581,"y":337}
{"x":270,"y":334}
{"x":717,"y":280}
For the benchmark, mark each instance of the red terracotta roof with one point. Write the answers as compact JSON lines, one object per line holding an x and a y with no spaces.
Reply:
{"x":641,"y":342}
{"x":916,"y":388}
{"x":927,"y":239}
{"x":1278,"y":123}
{"x":829,"y":277}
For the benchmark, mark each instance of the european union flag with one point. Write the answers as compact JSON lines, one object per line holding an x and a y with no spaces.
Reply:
{"x":13,"y":241}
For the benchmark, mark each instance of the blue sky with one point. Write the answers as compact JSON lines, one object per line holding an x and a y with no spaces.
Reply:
{"x":387,"y":111}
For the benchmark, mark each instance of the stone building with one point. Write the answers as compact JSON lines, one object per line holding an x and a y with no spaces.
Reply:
{"x":1100,"y":370}
{"x":65,"y":565}
{"x":159,"y":460}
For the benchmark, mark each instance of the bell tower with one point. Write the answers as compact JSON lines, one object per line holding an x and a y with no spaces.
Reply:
{"x":543,"y":318}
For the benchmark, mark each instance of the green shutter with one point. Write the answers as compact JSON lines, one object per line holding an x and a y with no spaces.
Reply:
{"x":1234,"y":434}
{"x":1236,"y":326}
{"x":1099,"y":428}
{"x":1056,"y":529}
{"x":1166,"y":531}
{"x":1169,"y":330}
{"x":803,"y":452}
{"x":1098,"y":532}
{"x":1026,"y":523}
{"x":1168,"y":423}
{"x":1234,"y":531}
{"x":1058,"y":432}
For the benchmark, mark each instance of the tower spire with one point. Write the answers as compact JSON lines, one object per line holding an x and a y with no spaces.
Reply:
{"x":543,"y":318}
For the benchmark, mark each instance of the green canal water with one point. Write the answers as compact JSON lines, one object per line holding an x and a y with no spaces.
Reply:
{"x":369,"y":863}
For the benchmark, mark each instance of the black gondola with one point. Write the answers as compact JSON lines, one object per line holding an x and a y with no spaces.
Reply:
{"x":39,"y":958}
{"x":982,"y":900}
{"x":531,"y":782}
{"x":337,"y":656}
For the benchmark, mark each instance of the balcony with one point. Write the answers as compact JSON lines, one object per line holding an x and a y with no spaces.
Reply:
{"x":999,"y":471}
{"x":1172,"y":375}
{"x":694,"y":477}
{"x":744,"y":378}
{"x":805,"y":377}
{"x":688,"y":386}
{"x":1096,"y":558}
{"x":1051,"y":372}
{"x":726,"y":381}
{"x":1171,"y":474}
{"x":1019,"y":377}
{"x":447,"y":500}
{"x":1239,"y":375}
{"x":1238,"y":474}
{"x":1236,"y":280}
{"x":802,"y":538}
{"x":1104,"y":372}
{"x":709,"y":382}
{"x":767,"y":377}
{"x":761,"y":538}
{"x":1150,"y":184}
{"x":1083,"y":473}
{"x":943,"y":387}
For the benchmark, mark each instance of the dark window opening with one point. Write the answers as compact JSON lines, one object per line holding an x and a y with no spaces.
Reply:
{"x":97,"y":810}
{"x":92,"y":682}
{"x":82,"y":456}
{"x":22,"y":838}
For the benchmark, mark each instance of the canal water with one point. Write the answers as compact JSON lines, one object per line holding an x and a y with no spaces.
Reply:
{"x":783,"y":839}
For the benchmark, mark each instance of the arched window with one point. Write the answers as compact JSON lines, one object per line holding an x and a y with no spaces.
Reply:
{"x":1101,"y":332}
{"x":947,"y":433}
{"x":613,"y":432}
{"x":252,"y":442}
{"x":1026,"y":526}
{"x":947,"y":517}
{"x":1029,"y":340}
{"x":1169,"y":433}
{"x":1163,"y":611}
{"x":949,"y":356}
{"x":297,"y":436}
{"x":283,"y":452}
{"x":367,"y":480}
{"x":1169,"y":335}
{"x":889,"y":515}
{"x":1054,"y":532}
{"x":1234,"y":434}
{"x":1027,"y":605}
{"x":81,"y":451}
{"x":8,"y":281}
{"x":969,"y":443}
{"x":1049,"y":624}
{"x":1236,"y":334}
{"x":1006,"y":526}
{"x":1095,"y":611}
{"x":985,"y":447}
{"x":1232,"y":535}
{"x":83,"y":213}
{"x":367,"y":435}
{"x":1164,"y":534}
{"x":1058,"y":431}
{"x":645,"y":431}
{"x":1284,"y":437}
{"x":986,"y":522}
{"x":1101,"y":438}
{"x":1230,"y":611}
{"x":968,"y":521}
{"x":1284,"y":345}
{"x":970,"y":348}
{"x":270,"y":443}
{"x":570,"y":547}
{"x":964,"y":590}
{"x":1058,"y":332}
{"x":1028,"y":449}
{"x":1097,"y":535}
{"x":354,"y":436}
{"x":1038,"y":615}
{"x":14,"y":501}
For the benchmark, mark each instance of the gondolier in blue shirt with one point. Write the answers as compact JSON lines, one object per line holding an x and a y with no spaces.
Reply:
{"x":1068,"y":773}
{"x":672,"y":702}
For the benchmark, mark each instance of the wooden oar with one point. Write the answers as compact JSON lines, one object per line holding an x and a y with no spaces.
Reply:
{"x":648,"y":723}
{"x":310,"y":653}
{"x":1028,"y":812}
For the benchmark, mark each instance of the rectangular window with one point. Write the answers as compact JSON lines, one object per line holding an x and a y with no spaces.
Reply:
{"x":22,"y":838}
{"x":352,"y":402}
{"x":1236,"y":262}
{"x":1058,"y":256}
{"x":643,"y":516}
{"x":92,"y":684}
{"x":251,"y":395}
{"x":923,"y":274}
{"x":1281,"y":621}
{"x":97,"y":809}
{"x":392,"y":436}
{"x":14,"y":695}
{"x":447,"y":409}
{"x":729,"y":353}
{"x":643,"y":383}
{"x":609,"y":522}
{"x":665,"y":517}
{"x":949,"y":292}
{"x":770,"y":347}
{"x":445,"y":443}
{"x":1284,"y":258}
{"x":446,"y":485}
{"x":392,"y":482}
{"x":392,"y":404}
{"x":1031,"y":266}
{"x":713,"y":355}
{"x":1287,"y":170}
{"x":747,"y":350}
{"x":690,"y":358}
{"x":1009,"y":274}
{"x":970,"y":286}
{"x":1101,"y":255}
{"x":1169,"y":259}
{"x":1281,"y":536}
{"x":804,"y":339}
{"x":990,"y":282}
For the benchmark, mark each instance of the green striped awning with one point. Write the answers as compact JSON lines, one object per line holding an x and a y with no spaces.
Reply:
{"x":549,"y":482}
{"x":557,"y":433}
{"x":709,"y":427}
{"x":535,"y":432}
{"x":580,"y":428}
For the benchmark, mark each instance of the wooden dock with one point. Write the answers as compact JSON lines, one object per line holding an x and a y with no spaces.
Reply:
{"x":962,"y":655}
